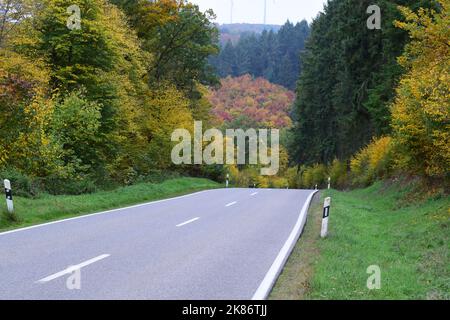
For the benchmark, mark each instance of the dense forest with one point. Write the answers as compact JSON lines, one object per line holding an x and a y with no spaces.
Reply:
{"x":348,"y":82}
{"x":272,"y":55}
{"x":244,"y":102}
{"x":370,"y":104}
{"x":373,"y":103}
{"x":95,"y":106}
{"x":233,"y":31}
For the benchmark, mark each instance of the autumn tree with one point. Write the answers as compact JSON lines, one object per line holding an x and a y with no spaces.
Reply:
{"x":180,"y":37}
{"x":421,"y":111}
{"x":348,"y":80}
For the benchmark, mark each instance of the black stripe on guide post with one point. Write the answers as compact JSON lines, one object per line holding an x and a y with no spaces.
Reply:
{"x":326,"y":212}
{"x":8,"y":193}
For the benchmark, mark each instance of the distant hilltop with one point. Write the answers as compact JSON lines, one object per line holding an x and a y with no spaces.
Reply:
{"x":233,"y":32}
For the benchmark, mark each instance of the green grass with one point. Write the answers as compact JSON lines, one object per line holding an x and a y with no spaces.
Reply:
{"x":49,"y":208}
{"x":409,"y":241}
{"x":294,"y":281}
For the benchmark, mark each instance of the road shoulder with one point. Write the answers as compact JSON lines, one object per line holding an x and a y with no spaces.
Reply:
{"x":294,"y":281}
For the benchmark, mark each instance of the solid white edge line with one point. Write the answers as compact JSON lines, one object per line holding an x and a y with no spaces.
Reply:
{"x":187,"y":222}
{"x":102,"y":212}
{"x":231,"y":204}
{"x":269,"y":280}
{"x":72,"y":268}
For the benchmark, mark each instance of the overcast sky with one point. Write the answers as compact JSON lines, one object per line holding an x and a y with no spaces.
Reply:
{"x":252,"y":11}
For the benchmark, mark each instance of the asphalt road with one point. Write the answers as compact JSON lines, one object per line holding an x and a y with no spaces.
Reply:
{"x":216,"y":244}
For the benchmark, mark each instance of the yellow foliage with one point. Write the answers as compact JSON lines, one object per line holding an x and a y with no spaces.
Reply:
{"x":292,"y":177}
{"x":24,"y":115}
{"x":338,"y":174}
{"x":262,"y":181}
{"x":233,"y":171}
{"x":279,"y":183}
{"x":421,"y":111}
{"x":372,"y":162}
{"x":314,"y":175}
{"x":168,"y":110}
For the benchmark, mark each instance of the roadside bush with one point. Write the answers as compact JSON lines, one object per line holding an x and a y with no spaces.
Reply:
{"x":158,"y":176}
{"x":262,"y":182}
{"x":372,"y":162}
{"x":233,"y":171}
{"x":22,"y":185}
{"x":293,"y":178}
{"x":213,"y":172}
{"x":317,"y":174}
{"x":57,"y":185}
{"x":338,"y":174}
{"x":421,"y":110}
{"x":278,"y":183}
{"x":248,"y":177}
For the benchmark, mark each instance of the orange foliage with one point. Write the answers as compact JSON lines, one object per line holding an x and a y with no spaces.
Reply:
{"x":265,"y":103}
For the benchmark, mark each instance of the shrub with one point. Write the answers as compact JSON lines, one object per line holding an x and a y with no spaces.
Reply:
{"x":262,"y":182}
{"x":293,"y":178}
{"x":278,"y":183}
{"x":421,"y":111}
{"x":338,"y":174}
{"x":57,"y":185}
{"x":315,"y":175}
{"x":21,"y":184}
{"x":372,"y":162}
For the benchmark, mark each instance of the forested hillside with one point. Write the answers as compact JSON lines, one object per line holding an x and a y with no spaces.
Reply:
{"x":272,"y":55}
{"x":373,"y":104}
{"x":349,"y":75}
{"x":233,"y":32}
{"x":97,"y":104}
{"x":245,"y":102}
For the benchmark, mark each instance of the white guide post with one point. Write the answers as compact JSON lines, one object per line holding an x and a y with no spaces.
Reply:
{"x":8,"y":193}
{"x":326,"y":214}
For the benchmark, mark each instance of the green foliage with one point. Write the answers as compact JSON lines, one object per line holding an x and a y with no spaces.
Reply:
{"x":57,"y":185}
{"x":381,"y":225}
{"x":50,"y":207}
{"x":97,"y":106}
{"x":180,"y":37}
{"x":421,"y":110}
{"x":75,"y":126}
{"x":338,"y":174}
{"x":23,"y":185}
{"x":348,"y":80}
{"x":372,"y":162}
{"x":314,"y":175}
{"x":274,"y":56}
{"x":293,"y":177}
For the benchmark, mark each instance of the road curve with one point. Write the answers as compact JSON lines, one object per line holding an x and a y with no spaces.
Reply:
{"x":216,"y":244}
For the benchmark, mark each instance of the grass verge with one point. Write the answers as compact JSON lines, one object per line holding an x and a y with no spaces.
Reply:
{"x":294,"y":281}
{"x":50,"y":208}
{"x":408,"y":240}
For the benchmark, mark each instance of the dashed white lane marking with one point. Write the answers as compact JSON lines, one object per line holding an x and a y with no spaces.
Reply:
{"x":72,"y":268}
{"x":187,"y":222}
{"x":231,"y":204}
{"x":254,"y":194}
{"x":100,"y":213}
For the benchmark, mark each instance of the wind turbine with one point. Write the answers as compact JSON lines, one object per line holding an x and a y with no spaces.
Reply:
{"x":265,"y":11}
{"x":231,"y":10}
